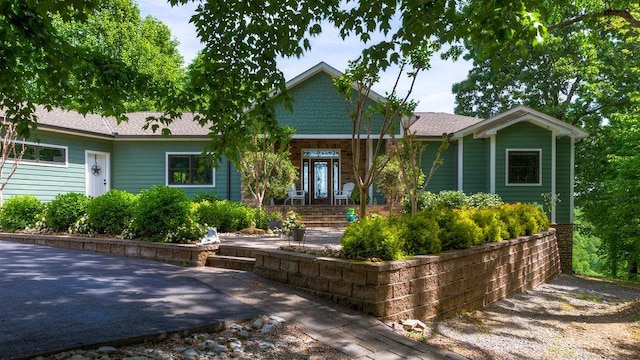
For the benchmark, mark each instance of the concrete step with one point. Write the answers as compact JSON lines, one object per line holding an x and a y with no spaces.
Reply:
{"x":236,"y":251}
{"x":231,"y":262}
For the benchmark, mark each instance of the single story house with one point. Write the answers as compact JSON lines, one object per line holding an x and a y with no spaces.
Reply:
{"x":519,"y":154}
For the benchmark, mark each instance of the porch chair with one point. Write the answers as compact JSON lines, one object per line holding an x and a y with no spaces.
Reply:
{"x":294,"y":194}
{"x":344,"y":194}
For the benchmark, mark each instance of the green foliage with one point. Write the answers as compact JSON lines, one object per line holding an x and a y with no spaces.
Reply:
{"x":202,"y":196}
{"x":372,"y":238}
{"x":523,"y":219}
{"x":160,"y":210}
{"x":355,"y":196}
{"x":64,"y":210}
{"x":19,"y":212}
{"x":453,"y":200}
{"x":387,"y":181}
{"x":457,"y":229}
{"x":225,"y":215}
{"x":189,"y":231}
{"x":110,"y":212}
{"x":493,"y":229}
{"x":420,"y":234}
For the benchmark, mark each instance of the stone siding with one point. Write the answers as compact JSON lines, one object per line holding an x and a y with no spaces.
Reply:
{"x":564,"y":233}
{"x":425,"y":287}
{"x":176,"y":254}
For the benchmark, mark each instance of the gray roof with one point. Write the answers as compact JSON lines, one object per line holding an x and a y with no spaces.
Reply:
{"x":72,"y":120}
{"x":184,"y":126}
{"x":434,"y":124}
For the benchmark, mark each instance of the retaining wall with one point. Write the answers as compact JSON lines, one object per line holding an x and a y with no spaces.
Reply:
{"x":425,"y":287}
{"x":177,"y":254}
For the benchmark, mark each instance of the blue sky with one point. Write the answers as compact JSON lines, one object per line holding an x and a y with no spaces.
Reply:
{"x":433,"y":87}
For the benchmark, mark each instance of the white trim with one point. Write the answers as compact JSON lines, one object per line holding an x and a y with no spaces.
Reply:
{"x":572,"y":170}
{"x":460,"y":163}
{"x":166,"y":171}
{"x":553,"y":177}
{"x":492,"y":165}
{"x":50,"y":164}
{"x":506,"y":166}
{"x":370,"y":162}
{"x":107,"y":176}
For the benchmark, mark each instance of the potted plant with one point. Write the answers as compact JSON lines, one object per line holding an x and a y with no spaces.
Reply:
{"x":294,"y":226}
{"x":274,"y":220}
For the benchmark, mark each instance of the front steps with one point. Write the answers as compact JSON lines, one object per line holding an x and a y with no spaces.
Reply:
{"x":233,"y":257}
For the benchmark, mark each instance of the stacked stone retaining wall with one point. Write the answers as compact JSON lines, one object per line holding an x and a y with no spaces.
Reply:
{"x":176,"y":254}
{"x":425,"y":287}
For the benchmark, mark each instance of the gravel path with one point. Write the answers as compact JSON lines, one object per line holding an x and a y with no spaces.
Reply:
{"x":570,"y":318}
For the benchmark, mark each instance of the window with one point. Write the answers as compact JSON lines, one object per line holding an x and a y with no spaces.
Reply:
{"x":524,"y":167}
{"x":43,"y":154}
{"x":189,"y":170}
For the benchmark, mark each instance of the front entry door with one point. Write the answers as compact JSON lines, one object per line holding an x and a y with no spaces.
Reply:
{"x":96,"y":173}
{"x":321,"y":175}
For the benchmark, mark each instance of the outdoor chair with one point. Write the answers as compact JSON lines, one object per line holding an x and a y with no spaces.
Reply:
{"x":295,"y":194}
{"x":344,"y":194}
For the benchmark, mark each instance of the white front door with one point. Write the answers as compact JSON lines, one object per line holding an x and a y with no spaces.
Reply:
{"x":96,"y":173}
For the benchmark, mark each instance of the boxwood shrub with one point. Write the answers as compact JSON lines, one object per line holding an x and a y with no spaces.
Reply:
{"x":372,"y":238}
{"x":226,"y":216}
{"x":158,"y":211}
{"x":64,"y":210}
{"x":110,"y":212}
{"x":18,"y":212}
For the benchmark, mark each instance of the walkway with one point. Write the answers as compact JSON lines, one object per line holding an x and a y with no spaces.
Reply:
{"x":94,"y":298}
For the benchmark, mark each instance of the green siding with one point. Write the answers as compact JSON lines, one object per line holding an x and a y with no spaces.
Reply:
{"x":318,"y":109}
{"x":523,"y":135}
{"x":563,"y":180}
{"x":475,"y":165}
{"x":141,"y":164}
{"x":445,"y":178}
{"x":44,"y":181}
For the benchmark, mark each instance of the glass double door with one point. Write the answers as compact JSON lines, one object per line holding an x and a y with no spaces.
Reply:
{"x":320,"y":178}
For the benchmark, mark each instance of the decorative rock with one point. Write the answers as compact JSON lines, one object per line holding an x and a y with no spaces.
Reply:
{"x":265,"y":344}
{"x":107,"y":349}
{"x":413,"y":324}
{"x":78,"y":357}
{"x":243,"y":333}
{"x":277,"y":319}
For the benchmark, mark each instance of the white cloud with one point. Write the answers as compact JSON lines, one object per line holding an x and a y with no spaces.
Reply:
{"x":433,"y":89}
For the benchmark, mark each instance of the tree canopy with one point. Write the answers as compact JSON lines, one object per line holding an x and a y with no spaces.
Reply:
{"x":588,"y":74}
{"x":65,"y":54}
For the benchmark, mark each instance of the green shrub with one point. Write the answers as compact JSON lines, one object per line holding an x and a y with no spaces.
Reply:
{"x":420,"y":234}
{"x":110,"y":212}
{"x":260,"y":218}
{"x":457,"y":230}
{"x":372,"y":238}
{"x":523,"y":219}
{"x":64,"y":210}
{"x":426,"y":200}
{"x":202,"y":196}
{"x":226,"y":216}
{"x":18,"y":212}
{"x":451,"y":199}
{"x":488,"y":219}
{"x":160,"y":210}
{"x":355,"y":196}
{"x":483,"y":200}
{"x":189,"y":231}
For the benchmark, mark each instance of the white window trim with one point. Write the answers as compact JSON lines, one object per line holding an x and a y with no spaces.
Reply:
{"x":35,"y":163}
{"x":506,"y":166}
{"x":166,"y":172}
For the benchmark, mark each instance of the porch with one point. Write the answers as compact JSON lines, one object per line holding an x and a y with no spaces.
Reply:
{"x":325,"y":215}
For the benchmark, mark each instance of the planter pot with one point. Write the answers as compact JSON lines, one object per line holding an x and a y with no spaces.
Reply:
{"x":351,"y":217}
{"x":298,"y":234}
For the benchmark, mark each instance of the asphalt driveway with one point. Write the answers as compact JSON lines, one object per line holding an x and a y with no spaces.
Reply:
{"x":53,"y":299}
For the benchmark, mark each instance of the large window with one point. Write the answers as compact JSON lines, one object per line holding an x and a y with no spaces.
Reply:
{"x":189,"y":170}
{"x":43,"y":154}
{"x":524,"y":166}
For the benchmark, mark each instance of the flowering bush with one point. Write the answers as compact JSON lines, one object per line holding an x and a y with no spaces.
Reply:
{"x":292,"y":221}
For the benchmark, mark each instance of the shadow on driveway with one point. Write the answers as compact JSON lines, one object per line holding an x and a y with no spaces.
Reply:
{"x":54,"y":299}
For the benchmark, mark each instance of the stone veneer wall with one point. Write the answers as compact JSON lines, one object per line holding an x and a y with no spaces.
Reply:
{"x":425,"y":287}
{"x":177,"y":254}
{"x":564,"y":233}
